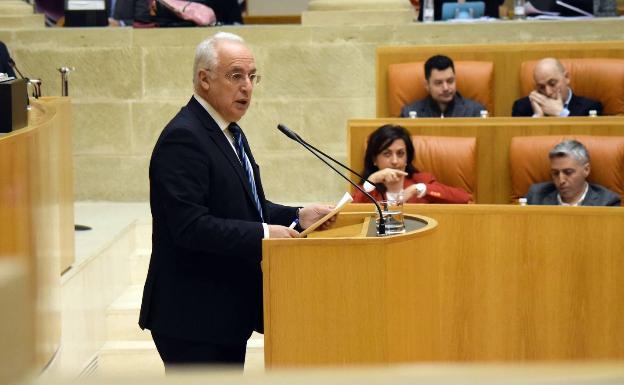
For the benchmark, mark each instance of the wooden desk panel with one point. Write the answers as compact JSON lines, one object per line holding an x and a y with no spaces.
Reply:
{"x":17,"y":351}
{"x":514,"y":284}
{"x":491,"y":283}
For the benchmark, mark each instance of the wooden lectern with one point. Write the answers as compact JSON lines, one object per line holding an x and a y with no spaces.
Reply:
{"x":328,"y":299}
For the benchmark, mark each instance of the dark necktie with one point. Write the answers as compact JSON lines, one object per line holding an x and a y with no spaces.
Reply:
{"x":240,"y":150}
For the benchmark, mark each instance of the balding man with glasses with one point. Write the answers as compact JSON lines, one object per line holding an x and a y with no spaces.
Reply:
{"x":203,"y":295}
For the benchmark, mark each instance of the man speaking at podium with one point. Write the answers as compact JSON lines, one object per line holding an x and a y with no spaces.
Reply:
{"x":203,"y":294}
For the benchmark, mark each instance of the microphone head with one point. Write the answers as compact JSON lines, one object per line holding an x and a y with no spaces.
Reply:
{"x":12,"y":64}
{"x":288,"y":132}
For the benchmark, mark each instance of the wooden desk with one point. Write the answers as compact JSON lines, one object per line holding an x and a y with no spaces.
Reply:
{"x":488,"y":283}
{"x":17,"y":350}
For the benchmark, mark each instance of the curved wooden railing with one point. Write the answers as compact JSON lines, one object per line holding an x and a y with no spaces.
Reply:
{"x":36,"y":217}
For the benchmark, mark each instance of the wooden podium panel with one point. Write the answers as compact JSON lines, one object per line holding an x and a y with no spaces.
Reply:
{"x":489,"y":283}
{"x":340,"y":281}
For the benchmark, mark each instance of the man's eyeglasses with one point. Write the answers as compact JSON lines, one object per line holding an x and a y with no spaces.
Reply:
{"x":238,"y":78}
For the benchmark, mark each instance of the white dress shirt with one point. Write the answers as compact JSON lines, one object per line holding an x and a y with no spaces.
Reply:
{"x":223,"y":125}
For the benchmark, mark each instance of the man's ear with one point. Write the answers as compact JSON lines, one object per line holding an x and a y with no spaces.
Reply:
{"x":586,"y":169}
{"x":426,"y":85}
{"x":203,"y":79}
{"x":566,"y":76}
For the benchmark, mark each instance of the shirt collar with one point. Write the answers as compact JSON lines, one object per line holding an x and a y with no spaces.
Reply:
{"x":578,"y":202}
{"x":222,"y":123}
{"x":567,"y":102}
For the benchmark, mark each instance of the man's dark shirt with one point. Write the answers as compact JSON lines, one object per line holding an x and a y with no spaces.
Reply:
{"x":459,"y":107}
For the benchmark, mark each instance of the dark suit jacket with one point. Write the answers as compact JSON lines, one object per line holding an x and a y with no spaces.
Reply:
{"x":578,"y":106}
{"x":546,"y":194}
{"x":5,"y":68}
{"x":460,"y":107}
{"x":204,"y":281}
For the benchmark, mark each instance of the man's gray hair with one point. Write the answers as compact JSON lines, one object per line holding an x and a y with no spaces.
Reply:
{"x":206,"y":52}
{"x":571,"y":148}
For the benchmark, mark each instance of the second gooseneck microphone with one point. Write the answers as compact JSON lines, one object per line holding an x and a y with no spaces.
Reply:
{"x":294,"y":136}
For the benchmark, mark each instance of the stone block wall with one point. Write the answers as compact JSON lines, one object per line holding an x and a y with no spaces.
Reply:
{"x":129,"y":83}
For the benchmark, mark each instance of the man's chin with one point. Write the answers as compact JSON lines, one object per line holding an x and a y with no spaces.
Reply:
{"x":237,"y":114}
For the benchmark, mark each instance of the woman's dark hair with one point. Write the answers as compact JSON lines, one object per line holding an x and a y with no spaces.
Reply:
{"x":381,"y":139}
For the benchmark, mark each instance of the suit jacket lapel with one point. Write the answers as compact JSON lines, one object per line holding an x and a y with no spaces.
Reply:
{"x":590,"y":197}
{"x":577,"y":106}
{"x":573,"y":105}
{"x":551,"y":198}
{"x":226,"y":149}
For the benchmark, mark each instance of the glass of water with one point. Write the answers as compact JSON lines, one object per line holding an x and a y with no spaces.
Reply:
{"x":392,"y":211}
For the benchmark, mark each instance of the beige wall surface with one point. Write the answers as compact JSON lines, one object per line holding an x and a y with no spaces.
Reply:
{"x":276,"y":7}
{"x":129,"y":83}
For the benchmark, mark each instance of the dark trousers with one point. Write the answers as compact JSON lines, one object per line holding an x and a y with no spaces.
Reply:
{"x":176,"y":353}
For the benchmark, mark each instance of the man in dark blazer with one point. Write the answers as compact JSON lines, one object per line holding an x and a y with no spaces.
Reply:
{"x":5,"y":67}
{"x":569,"y":168}
{"x":443,"y":99}
{"x":203,"y":294}
{"x":552,"y":95}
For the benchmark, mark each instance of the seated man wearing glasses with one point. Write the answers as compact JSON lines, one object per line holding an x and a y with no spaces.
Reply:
{"x":569,"y":168}
{"x":443,"y":101}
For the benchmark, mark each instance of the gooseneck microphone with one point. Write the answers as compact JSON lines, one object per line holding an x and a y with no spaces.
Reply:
{"x":293,"y":135}
{"x":12,"y":64}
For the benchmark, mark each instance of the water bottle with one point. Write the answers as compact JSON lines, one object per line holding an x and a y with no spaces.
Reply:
{"x":519,"y":12}
{"x":413,"y":114}
{"x":428,"y":11}
{"x":484,"y":113}
{"x":35,"y":85}
{"x":522,"y":201}
{"x":593,"y":113}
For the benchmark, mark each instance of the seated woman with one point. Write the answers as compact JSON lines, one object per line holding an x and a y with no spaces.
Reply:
{"x":388,"y":164}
